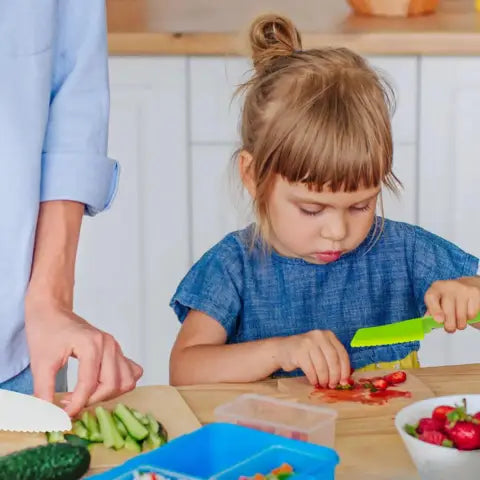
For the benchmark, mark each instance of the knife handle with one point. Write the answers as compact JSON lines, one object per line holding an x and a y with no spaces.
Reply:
{"x":432,"y":323}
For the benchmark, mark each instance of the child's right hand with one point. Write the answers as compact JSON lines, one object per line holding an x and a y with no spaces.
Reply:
{"x":320,"y":355}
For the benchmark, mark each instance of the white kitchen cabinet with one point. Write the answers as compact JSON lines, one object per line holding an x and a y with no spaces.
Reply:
{"x":132,"y":257}
{"x":449,"y":169}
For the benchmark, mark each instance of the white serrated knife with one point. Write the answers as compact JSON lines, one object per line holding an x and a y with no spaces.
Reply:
{"x":26,"y":413}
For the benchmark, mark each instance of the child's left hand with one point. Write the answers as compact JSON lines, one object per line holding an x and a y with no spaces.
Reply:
{"x":453,"y":302}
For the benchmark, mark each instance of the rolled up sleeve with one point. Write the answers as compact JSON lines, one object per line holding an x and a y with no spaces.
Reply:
{"x":75,"y":165}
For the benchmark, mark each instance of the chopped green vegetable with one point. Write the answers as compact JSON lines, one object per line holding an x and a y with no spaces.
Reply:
{"x":80,"y":430}
{"x":91,"y":423}
{"x":55,"y":437}
{"x":132,"y":424}
{"x":76,"y":440}
{"x":111,"y":436}
{"x":132,"y":444}
{"x":120,"y":426}
{"x":140,"y":416}
{"x":152,"y":441}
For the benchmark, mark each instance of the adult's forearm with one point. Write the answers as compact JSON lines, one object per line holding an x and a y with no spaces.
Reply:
{"x":56,"y":242}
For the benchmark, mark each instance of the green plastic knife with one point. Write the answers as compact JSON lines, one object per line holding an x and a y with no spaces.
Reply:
{"x":400,"y":332}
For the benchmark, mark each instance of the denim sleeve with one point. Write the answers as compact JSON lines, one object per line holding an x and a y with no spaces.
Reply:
{"x":74,"y":161}
{"x":435,"y":258}
{"x":213,"y":286}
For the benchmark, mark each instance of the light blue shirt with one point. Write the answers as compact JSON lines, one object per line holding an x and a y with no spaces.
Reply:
{"x":54,"y":106}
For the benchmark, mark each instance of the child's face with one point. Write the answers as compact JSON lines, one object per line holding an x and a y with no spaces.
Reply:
{"x":319,"y":227}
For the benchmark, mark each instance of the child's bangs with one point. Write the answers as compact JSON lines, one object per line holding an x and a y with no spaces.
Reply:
{"x":342,"y":146}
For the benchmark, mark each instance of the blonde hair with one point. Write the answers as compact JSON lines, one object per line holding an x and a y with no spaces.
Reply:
{"x":319,"y":116}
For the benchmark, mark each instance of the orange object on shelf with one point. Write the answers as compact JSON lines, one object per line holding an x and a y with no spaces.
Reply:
{"x":394,"y":8}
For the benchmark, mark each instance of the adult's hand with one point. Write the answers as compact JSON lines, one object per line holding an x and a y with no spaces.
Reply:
{"x":54,"y":334}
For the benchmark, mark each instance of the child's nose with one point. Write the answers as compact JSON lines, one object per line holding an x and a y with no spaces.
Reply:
{"x":335,"y":228}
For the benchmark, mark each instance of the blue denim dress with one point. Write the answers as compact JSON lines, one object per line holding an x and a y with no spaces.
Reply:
{"x":255,"y":294}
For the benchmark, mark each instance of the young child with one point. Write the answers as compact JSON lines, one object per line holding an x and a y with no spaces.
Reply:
{"x":286,"y":295}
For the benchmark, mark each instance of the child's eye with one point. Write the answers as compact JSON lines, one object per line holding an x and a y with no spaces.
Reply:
{"x":311,"y":213}
{"x":361,"y":208}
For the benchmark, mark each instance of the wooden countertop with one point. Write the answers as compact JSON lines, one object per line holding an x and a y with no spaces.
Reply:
{"x":209,"y":27}
{"x":355,"y":437}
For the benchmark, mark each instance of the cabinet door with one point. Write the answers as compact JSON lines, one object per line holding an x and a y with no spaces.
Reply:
{"x":219,"y":202}
{"x":450,"y":173}
{"x":132,"y":257}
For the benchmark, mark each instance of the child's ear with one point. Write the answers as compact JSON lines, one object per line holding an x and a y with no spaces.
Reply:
{"x":245,"y":167}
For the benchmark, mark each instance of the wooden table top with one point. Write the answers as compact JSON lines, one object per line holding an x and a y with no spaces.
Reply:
{"x":355,"y":438}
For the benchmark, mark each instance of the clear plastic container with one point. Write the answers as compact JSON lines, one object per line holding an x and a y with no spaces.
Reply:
{"x":288,"y":419}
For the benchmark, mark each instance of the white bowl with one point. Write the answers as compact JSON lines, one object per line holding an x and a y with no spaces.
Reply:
{"x":435,"y":462}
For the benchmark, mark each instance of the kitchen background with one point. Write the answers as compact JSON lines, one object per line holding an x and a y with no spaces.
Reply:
{"x":173,"y":68}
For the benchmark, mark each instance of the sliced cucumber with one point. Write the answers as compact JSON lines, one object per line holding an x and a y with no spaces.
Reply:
{"x":120,"y":426}
{"x":139,"y":416}
{"x":55,"y":437}
{"x":80,"y":430}
{"x":132,"y":445}
{"x":152,"y":441}
{"x":76,"y":440}
{"x":133,"y":426}
{"x":91,"y":423}
{"x":111,"y":436}
{"x":156,"y":427}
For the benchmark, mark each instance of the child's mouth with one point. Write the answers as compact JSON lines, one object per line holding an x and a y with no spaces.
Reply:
{"x":328,"y":256}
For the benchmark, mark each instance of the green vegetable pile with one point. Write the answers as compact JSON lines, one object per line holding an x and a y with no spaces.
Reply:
{"x":123,"y":427}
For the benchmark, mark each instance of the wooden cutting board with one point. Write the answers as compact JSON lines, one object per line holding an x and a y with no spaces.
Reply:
{"x":300,"y":389}
{"x":163,"y":402}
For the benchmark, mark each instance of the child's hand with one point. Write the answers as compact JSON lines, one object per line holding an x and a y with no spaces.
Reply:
{"x":319,"y":354}
{"x":453,"y":302}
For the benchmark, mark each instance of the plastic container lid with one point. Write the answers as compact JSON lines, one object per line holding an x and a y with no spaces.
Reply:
{"x":289,"y":419}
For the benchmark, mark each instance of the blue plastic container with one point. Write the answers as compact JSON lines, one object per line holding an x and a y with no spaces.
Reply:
{"x":225,"y":452}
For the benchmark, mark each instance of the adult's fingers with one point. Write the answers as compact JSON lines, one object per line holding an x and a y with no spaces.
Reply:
{"x":89,"y":364}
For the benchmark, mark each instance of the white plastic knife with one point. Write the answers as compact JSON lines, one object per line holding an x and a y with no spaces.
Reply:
{"x":26,"y":413}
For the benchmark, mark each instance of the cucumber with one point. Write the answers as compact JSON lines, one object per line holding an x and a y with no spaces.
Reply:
{"x":133,"y":426}
{"x":156,"y":427}
{"x":120,"y":426}
{"x":139,"y":416}
{"x":132,"y":444}
{"x":55,"y":461}
{"x":80,"y":430}
{"x":90,"y":421}
{"x":152,"y":441}
{"x":111,"y":436}
{"x":55,"y":437}
{"x":76,"y":440}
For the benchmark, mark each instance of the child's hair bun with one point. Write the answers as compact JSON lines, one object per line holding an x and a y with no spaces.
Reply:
{"x":272,"y":36}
